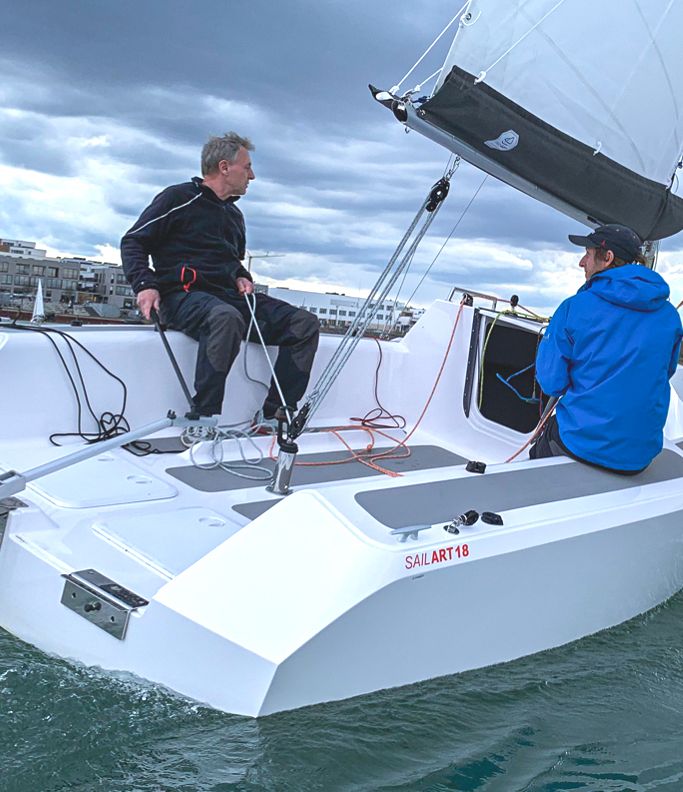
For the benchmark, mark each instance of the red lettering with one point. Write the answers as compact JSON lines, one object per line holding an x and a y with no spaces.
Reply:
{"x":437,"y":556}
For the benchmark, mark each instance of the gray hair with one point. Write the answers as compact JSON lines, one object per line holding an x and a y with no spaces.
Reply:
{"x":226,"y":147}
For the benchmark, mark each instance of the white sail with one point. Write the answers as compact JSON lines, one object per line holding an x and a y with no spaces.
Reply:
{"x":38,"y":305}
{"x":578,"y":103}
{"x":608,"y":73}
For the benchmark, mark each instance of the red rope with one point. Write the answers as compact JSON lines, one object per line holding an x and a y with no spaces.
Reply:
{"x":390,"y":453}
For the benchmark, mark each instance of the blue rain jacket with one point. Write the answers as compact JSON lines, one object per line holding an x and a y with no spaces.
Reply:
{"x":609,"y":351}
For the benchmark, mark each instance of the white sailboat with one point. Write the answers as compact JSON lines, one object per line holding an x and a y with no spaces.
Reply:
{"x":38,"y":314}
{"x":179,"y":569}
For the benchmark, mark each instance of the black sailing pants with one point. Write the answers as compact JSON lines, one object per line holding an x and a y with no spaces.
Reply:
{"x":219,"y":324}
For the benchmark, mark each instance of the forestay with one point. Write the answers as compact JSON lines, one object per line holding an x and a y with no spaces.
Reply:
{"x":575,"y":102}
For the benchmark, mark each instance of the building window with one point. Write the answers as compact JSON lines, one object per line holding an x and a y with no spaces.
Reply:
{"x":21,"y":280}
{"x":4,"y":266}
{"x":6,"y":280}
{"x":23,"y":269}
{"x":38,"y":269}
{"x":342,"y":313}
{"x":52,"y":272}
{"x":323,"y":311}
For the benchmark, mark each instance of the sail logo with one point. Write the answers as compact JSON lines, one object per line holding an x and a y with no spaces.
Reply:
{"x":505,"y":141}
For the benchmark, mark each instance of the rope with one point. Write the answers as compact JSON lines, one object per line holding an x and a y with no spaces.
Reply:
{"x":482,"y":74}
{"x":447,"y":240}
{"x":549,"y":410}
{"x":397,"y":87}
{"x":378,"y":295}
{"x":486,"y":341}
{"x":217,"y":452}
{"x":252,"y":311}
{"x":109,"y":424}
{"x":379,"y":413}
{"x":371,"y":461}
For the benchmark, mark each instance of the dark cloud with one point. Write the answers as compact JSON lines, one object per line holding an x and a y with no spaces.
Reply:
{"x":104,"y":104}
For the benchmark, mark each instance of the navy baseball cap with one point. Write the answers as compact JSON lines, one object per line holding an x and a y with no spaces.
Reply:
{"x":621,"y":240}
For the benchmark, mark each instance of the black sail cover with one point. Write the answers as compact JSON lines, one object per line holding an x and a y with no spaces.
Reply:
{"x":577,"y":103}
{"x":512,"y":142}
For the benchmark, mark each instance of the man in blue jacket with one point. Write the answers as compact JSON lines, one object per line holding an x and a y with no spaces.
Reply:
{"x":609,"y":353}
{"x":195,"y":235}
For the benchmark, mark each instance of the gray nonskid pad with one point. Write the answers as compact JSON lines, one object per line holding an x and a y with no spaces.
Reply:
{"x":421,"y":458}
{"x":440,"y":501}
{"x":255,"y":508}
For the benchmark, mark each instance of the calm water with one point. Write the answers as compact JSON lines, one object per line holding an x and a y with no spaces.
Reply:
{"x":605,"y":713}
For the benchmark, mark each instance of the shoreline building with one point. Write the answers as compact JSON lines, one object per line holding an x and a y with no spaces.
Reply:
{"x":98,"y":288}
{"x":67,"y":281}
{"x":336,"y":312}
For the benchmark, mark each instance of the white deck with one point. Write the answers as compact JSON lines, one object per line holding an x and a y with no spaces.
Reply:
{"x":315,"y":599}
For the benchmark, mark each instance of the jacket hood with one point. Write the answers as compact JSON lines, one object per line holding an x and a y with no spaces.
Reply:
{"x":631,"y":286}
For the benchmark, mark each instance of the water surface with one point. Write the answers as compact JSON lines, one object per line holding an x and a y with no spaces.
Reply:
{"x":603,"y":714}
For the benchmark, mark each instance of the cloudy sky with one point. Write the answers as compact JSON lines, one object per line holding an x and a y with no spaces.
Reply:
{"x":104,"y":103}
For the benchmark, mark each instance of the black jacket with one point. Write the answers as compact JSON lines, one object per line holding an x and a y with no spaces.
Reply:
{"x":196,"y":241}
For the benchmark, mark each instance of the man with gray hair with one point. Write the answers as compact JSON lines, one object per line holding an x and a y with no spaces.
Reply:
{"x":195,"y":235}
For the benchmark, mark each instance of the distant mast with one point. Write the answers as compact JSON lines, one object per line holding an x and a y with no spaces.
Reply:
{"x":577,"y":103}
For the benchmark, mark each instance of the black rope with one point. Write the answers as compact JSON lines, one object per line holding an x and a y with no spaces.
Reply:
{"x":380,"y":413}
{"x":109,"y":424}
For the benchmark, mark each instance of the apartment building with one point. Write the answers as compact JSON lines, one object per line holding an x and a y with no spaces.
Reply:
{"x":22,"y":265}
{"x":66,"y":281}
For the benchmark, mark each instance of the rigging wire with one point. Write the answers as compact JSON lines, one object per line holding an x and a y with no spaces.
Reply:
{"x":448,"y":238}
{"x":397,"y":87}
{"x":482,"y":74}
{"x":452,"y":165}
{"x":374,"y":300}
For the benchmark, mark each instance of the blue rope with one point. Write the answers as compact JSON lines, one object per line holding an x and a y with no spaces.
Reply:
{"x":527,"y":399}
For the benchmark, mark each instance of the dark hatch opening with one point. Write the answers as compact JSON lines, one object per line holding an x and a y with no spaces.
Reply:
{"x":508,"y":351}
